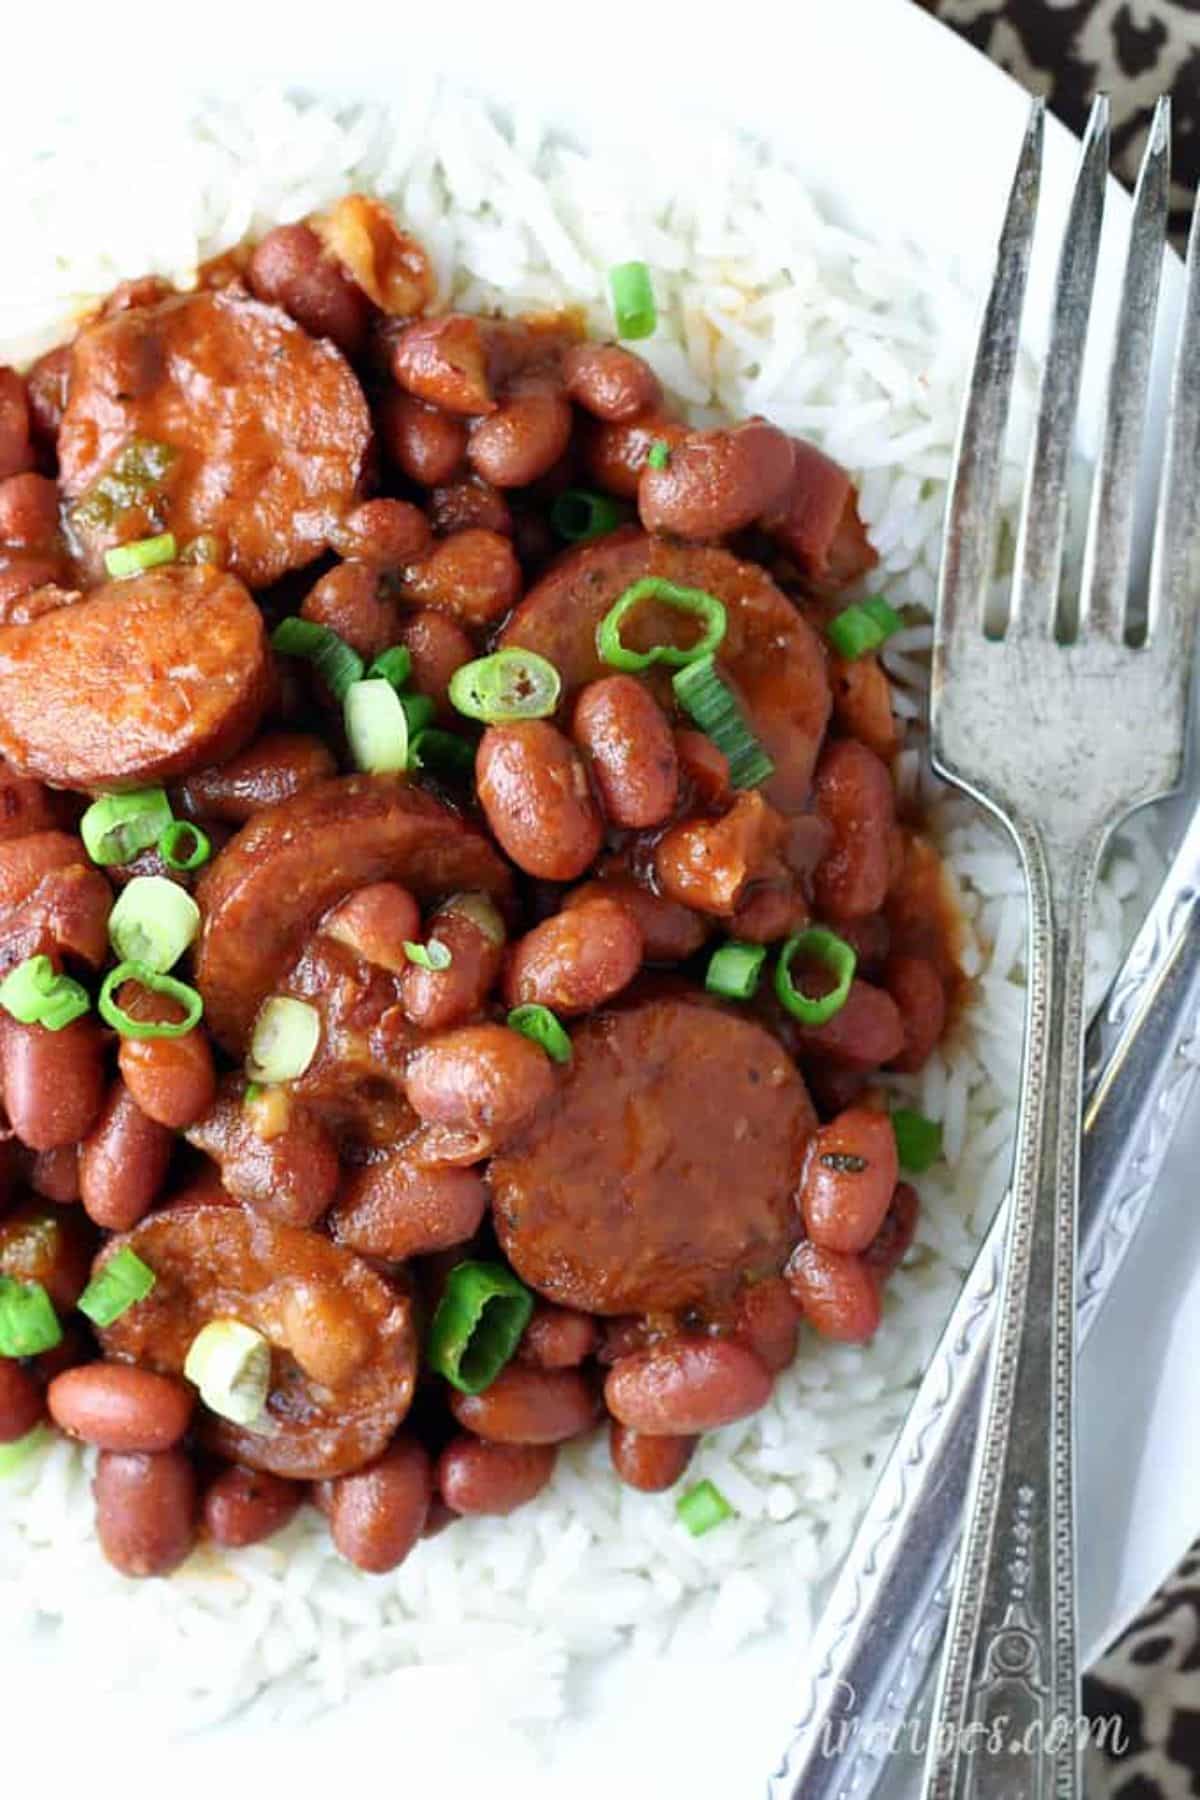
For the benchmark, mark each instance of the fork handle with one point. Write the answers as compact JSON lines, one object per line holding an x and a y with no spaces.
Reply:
{"x":1008,"y":1699}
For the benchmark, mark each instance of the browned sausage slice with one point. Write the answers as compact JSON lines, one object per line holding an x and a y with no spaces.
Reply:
{"x":269,"y":427}
{"x":344,"y":1351}
{"x":635,"y":1193}
{"x":265,"y":892}
{"x":144,"y":680}
{"x":771,"y":654}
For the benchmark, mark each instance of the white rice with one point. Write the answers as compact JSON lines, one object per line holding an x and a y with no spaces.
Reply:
{"x":765,"y":306}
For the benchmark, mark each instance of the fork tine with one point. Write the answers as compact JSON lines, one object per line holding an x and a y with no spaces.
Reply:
{"x":1109,"y":549}
{"x":1173,"y":568}
{"x":968,"y":549}
{"x":1044,"y":508}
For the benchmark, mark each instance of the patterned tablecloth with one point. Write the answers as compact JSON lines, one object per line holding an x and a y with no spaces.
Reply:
{"x":1133,"y":50}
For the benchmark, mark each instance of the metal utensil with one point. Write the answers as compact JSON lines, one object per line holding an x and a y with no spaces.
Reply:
{"x":1061,"y":729}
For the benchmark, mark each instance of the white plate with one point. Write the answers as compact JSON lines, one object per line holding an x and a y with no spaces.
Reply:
{"x":898,"y":126}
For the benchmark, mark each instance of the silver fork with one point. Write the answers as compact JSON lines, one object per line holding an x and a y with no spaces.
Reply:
{"x":1060,"y":739}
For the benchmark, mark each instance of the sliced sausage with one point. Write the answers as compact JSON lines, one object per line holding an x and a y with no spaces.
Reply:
{"x":343,"y":1345}
{"x":634,"y":1193}
{"x":144,"y":680}
{"x":268,"y":426}
{"x":770,"y":654}
{"x":268,"y":888}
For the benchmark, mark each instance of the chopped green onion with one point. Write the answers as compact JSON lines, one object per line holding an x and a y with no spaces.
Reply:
{"x":376,"y":727}
{"x":333,"y":659}
{"x":419,"y":710}
{"x":254,"y":1091}
{"x":694,"y":601}
{"x":13,"y":1455}
{"x":130,"y":559}
{"x":116,"y":826}
{"x":539,"y":1024}
{"x":702,"y":1507}
{"x":578,"y":515}
{"x":395,"y":665}
{"x":441,"y":752}
{"x":230,"y":1363}
{"x":706,"y":699}
{"x":36,"y":994}
{"x":862,"y":628}
{"x":478,"y":1324}
{"x":28,"y":1322}
{"x":187,"y":997}
{"x":734,"y":970}
{"x":177,"y":834}
{"x":433,"y":955}
{"x":834,"y":954}
{"x":153,"y":922}
{"x":286,"y":1035}
{"x":659,"y":454}
{"x":918,"y":1140}
{"x":130,"y":480}
{"x":120,"y":1284}
{"x":511,"y":684}
{"x":633,"y":300}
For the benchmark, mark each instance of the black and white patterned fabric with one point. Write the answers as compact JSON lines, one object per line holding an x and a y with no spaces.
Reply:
{"x":1145,"y":1691}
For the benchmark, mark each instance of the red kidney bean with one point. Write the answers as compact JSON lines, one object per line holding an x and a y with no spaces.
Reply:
{"x":16,"y":450}
{"x":615,"y":455}
{"x":620,"y":726}
{"x":20,"y":1401}
{"x":290,"y":268}
{"x":646,"y":1460}
{"x":853,"y":790}
{"x":557,"y":1338}
{"x":707,"y":863}
{"x":534,"y":791}
{"x":522,"y":440}
{"x":870,"y":939}
{"x":471,"y":929}
{"x":120,"y":1407}
{"x":51,"y":1245}
{"x":425,"y":444}
{"x":476,"y":1477}
{"x":46,"y":392}
{"x":378,"y":1514}
{"x":864,"y":1035}
{"x":610,"y":382}
{"x":54,"y":1175}
{"x":28,"y":511}
{"x":437,"y":1518}
{"x":444,"y":361}
{"x":273,"y":1154}
{"x":528,"y":1406}
{"x":470,"y":505}
{"x":576,"y":960}
{"x":850,"y":1172}
{"x":376,"y":923}
{"x":770,"y":910}
{"x":670,"y":933}
{"x":122,"y":1164}
{"x":53,"y":1081}
{"x":386,"y":534}
{"x":172,"y":1081}
{"x":438,"y":647}
{"x":838,"y":1294}
{"x":276,"y":766}
{"x":717,"y":482}
{"x":484,"y":1080}
{"x":768,"y":1320}
{"x":244,"y":1506}
{"x":474,"y":576}
{"x":862,"y":704}
{"x":396,"y":1208}
{"x":621,"y":1336}
{"x":892,"y":1241}
{"x":916,"y":987}
{"x":145,"y":1510}
{"x":349,"y":600}
{"x":687,"y":1386}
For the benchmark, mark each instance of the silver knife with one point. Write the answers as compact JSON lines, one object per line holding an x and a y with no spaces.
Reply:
{"x":884,"y":1619}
